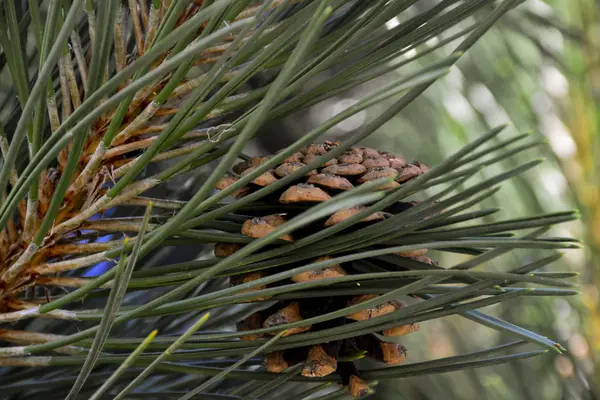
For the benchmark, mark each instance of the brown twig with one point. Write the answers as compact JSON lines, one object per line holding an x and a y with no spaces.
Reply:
{"x":78,"y":248}
{"x":53,"y":113}
{"x":144,"y":14}
{"x":116,"y":225}
{"x":153,"y":22}
{"x":79,"y":57}
{"x":67,"y":282}
{"x":29,"y":338}
{"x":68,"y":265}
{"x":103,"y":203}
{"x":137,"y":27}
{"x":119,"y":33}
{"x":72,"y":81}
{"x":64,"y":88}
{"x":156,"y":203}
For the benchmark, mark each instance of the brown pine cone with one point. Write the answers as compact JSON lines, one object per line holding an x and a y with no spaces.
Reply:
{"x":354,"y":167}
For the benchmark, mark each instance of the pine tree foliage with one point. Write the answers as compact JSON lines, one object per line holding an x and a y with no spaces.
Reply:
{"x":112,"y":103}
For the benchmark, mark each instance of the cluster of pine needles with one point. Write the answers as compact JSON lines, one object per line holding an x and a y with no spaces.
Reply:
{"x":113,"y":100}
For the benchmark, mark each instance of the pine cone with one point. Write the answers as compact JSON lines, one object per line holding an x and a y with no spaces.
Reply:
{"x":354,"y":167}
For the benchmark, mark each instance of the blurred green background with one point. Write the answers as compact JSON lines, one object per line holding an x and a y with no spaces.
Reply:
{"x":538,"y":71}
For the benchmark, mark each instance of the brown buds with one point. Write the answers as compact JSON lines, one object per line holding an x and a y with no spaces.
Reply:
{"x":424,"y":168}
{"x":286,"y":315}
{"x":343,"y":215}
{"x":357,"y":387}
{"x":261,"y":226}
{"x":344,"y":169}
{"x":275,"y":362}
{"x":369,"y":152}
{"x":350,"y":157}
{"x":330,"y":145}
{"x":425,"y":260}
{"x":389,"y":353}
{"x":319,"y":363}
{"x":286,"y":169}
{"x":265,"y":179}
{"x":296,"y":157}
{"x":333,"y":271}
{"x":371,"y":312}
{"x":392,"y":353}
{"x":251,"y":323}
{"x":256,"y":161}
{"x":401,"y":330}
{"x":241,"y":167}
{"x":309,"y":158}
{"x":378,"y":173}
{"x":320,"y":149}
{"x":303,"y":193}
{"x":397,"y":162}
{"x":331,"y":181}
{"x":226,"y":249}
{"x":412,"y":170}
{"x":275,"y":219}
{"x":229,"y":180}
{"x":412,"y":253}
{"x":376,"y":162}
{"x":226,"y":181}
